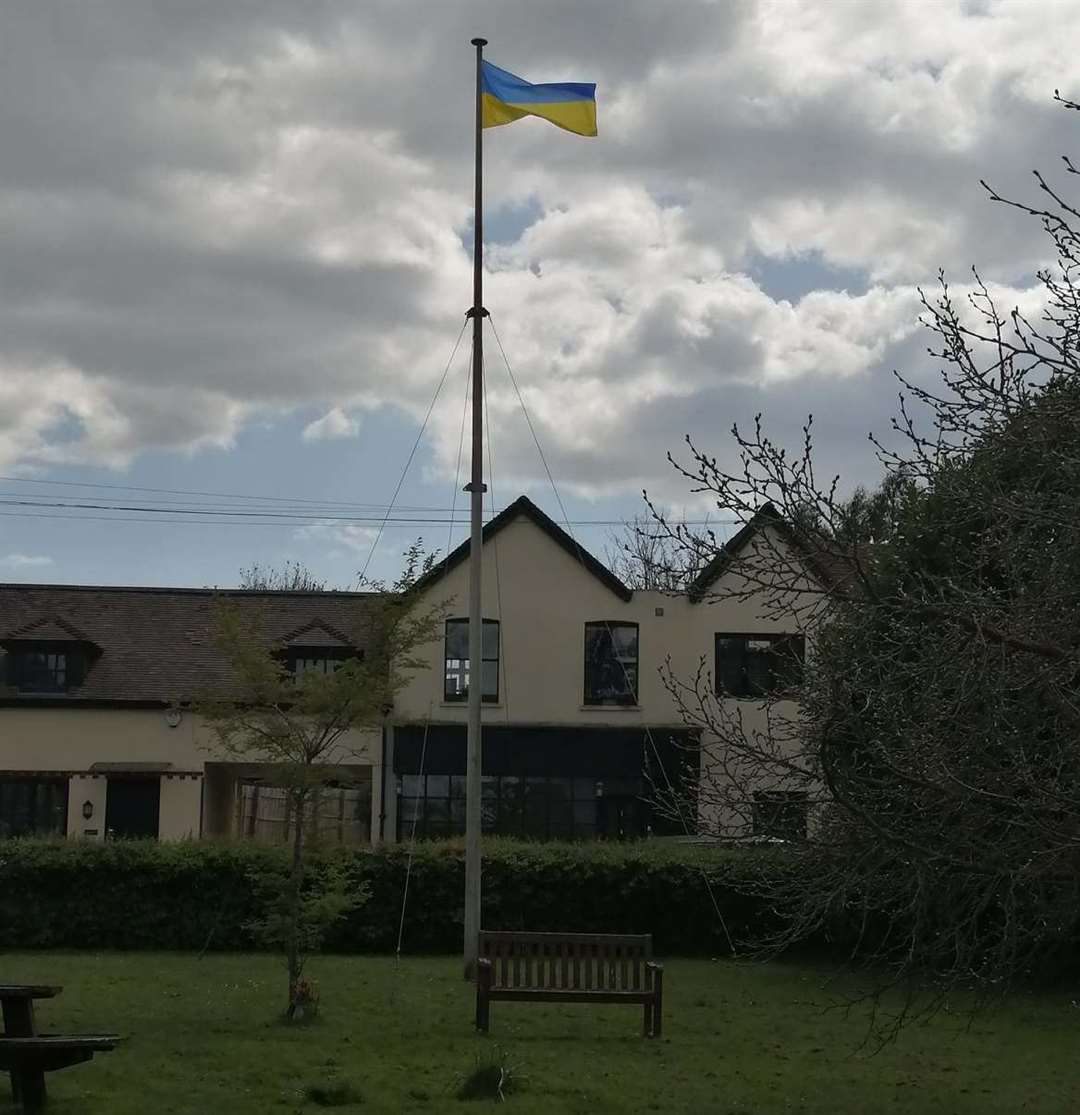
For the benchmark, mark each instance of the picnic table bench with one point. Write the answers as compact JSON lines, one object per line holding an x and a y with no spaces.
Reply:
{"x":27,"y":1055}
{"x":569,"y":968}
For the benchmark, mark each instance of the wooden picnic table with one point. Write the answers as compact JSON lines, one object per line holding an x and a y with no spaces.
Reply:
{"x":17,"y":1001}
{"x":27,"y":1055}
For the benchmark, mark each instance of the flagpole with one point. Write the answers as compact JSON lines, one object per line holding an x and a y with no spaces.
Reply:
{"x":476,"y":488}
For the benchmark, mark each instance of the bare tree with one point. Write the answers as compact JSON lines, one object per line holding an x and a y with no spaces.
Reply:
{"x":643,"y":557}
{"x":934,"y":738}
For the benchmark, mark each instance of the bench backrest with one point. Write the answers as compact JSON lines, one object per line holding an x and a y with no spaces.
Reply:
{"x":568,"y":961}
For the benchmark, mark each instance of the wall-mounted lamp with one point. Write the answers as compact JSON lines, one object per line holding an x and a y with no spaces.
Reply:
{"x":88,"y":809}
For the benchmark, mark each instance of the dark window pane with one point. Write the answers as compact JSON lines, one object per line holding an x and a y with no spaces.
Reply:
{"x":39,"y":670}
{"x":456,"y":687}
{"x":584,"y":789}
{"x":438,"y":786}
{"x":611,"y":661}
{"x":489,"y":787}
{"x":437,"y":809}
{"x":457,"y":786}
{"x":457,"y":814}
{"x":490,"y":639}
{"x":409,"y":809}
{"x":456,"y":673}
{"x":536,"y":806}
{"x":585,"y":817}
{"x":457,"y":638}
{"x":412,"y":785}
{"x":753,"y":665}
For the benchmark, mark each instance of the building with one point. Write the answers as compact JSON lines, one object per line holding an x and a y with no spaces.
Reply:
{"x":577,"y":717}
{"x":97,"y":735}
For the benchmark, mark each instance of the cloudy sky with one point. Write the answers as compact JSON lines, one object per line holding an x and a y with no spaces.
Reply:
{"x":235,"y":253}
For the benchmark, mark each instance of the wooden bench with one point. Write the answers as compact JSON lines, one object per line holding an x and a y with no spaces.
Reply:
{"x":569,"y":968}
{"x":27,"y":1055}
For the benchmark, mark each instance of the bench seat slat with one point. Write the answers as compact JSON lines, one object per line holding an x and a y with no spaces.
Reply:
{"x":522,"y":994}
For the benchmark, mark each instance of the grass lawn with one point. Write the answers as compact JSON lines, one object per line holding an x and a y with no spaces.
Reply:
{"x":202,"y":1038}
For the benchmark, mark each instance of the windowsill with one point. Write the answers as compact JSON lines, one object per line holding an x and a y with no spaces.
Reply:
{"x":464,"y":705}
{"x":609,"y":708}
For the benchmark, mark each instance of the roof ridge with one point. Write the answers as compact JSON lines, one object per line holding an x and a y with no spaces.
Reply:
{"x":525,"y":506}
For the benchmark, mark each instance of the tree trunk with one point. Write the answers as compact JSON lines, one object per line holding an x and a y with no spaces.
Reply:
{"x":296,"y":882}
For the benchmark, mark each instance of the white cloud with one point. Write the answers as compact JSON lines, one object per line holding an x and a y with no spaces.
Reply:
{"x":25,"y":561}
{"x":228,"y":217}
{"x":333,"y":424}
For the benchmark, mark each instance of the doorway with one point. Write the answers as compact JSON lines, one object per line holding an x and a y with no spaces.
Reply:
{"x":132,"y":807}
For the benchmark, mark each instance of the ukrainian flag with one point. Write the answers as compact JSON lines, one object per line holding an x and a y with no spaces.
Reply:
{"x":504,"y":98}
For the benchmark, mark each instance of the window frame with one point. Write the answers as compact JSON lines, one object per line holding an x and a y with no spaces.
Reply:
{"x":460,"y":698}
{"x":318,"y":653}
{"x":609,"y":626}
{"x":20,"y":678}
{"x":61,"y":787}
{"x":747,"y":690}
{"x":525,"y":806}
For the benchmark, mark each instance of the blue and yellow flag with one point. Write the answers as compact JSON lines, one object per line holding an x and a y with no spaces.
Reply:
{"x":504,"y":98}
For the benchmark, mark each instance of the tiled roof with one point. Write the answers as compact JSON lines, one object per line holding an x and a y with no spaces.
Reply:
{"x":159,"y":644}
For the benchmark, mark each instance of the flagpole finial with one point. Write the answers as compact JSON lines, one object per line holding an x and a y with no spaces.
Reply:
{"x":479,"y":42}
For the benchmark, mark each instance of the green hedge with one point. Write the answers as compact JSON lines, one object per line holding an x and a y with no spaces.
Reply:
{"x":144,"y":895}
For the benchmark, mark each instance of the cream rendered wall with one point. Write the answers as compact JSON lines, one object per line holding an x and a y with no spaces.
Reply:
{"x":543,"y":598}
{"x":73,"y":739}
{"x":82,"y":789}
{"x":180,"y":816}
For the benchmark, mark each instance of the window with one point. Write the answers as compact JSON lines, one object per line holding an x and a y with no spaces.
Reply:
{"x":42,"y":668}
{"x":456,"y":686}
{"x":753,"y":665}
{"x":611,"y":663}
{"x":33,"y":806}
{"x":779,"y":814}
{"x":510,"y":805}
{"x":317,"y":660}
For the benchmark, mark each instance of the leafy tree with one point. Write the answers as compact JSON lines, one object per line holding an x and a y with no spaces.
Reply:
{"x":306,"y":726}
{"x":934,"y":738}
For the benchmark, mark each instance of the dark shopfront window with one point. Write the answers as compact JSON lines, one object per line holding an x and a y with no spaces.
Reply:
{"x":540,"y":807}
{"x":33,"y":806}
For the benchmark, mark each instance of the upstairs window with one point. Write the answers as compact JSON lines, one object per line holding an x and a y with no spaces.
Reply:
{"x":456,"y":665}
{"x":317,"y":660}
{"x":611,"y":663}
{"x":754,"y":665}
{"x":43,"y":668}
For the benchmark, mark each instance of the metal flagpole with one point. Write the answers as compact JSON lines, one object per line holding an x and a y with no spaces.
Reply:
{"x":476,"y":489}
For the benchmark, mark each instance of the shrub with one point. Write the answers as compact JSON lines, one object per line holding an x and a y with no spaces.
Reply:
{"x":207,"y":895}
